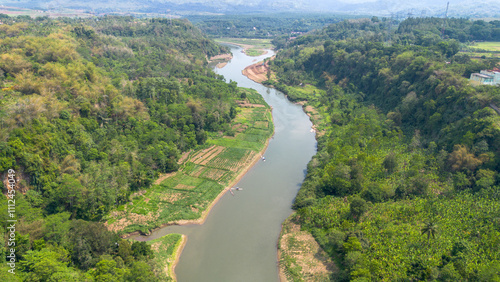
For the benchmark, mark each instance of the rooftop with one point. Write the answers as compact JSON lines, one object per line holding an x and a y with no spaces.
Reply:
{"x":482,"y":75}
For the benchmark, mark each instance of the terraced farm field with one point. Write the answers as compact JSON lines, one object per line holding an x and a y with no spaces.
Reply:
{"x":186,"y":196}
{"x":484,"y":50}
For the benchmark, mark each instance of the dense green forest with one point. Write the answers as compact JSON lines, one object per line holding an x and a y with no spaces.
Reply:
{"x":422,"y":31}
{"x":461,"y":29}
{"x":91,"y":111}
{"x":263,"y":25}
{"x":405,"y":184}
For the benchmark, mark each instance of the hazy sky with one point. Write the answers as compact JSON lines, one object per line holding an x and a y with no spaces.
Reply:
{"x":356,"y":1}
{"x":477,"y":8}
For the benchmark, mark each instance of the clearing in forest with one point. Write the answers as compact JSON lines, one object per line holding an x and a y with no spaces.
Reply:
{"x":300,"y":256}
{"x":488,"y":46}
{"x":484,"y":50}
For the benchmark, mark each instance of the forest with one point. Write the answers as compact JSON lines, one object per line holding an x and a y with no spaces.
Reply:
{"x":91,"y":111}
{"x":263,"y":25}
{"x":422,"y":31}
{"x":405,"y":185}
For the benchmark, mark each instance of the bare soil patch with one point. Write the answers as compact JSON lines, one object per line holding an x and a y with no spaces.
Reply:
{"x":214,"y":153}
{"x":204,"y":156}
{"x":300,"y":245}
{"x":184,"y":186}
{"x":257,"y":72}
{"x":201,"y":153}
{"x":214,"y":173}
{"x":239,"y":128}
{"x":164,"y":176}
{"x":197,"y":171}
{"x":138,"y":194}
{"x":221,"y":65}
{"x":221,"y":57}
{"x":184,"y":157}
{"x":133,"y":218}
{"x":245,"y":104}
{"x":171,"y":197}
{"x":118,"y":225}
{"x":310,"y":109}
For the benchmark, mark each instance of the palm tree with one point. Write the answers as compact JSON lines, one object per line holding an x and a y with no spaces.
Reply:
{"x":430,"y":229}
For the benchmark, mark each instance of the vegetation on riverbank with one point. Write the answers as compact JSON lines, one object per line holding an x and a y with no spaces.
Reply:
{"x":264,"y":26}
{"x":251,"y":46}
{"x":91,"y":114}
{"x":405,"y":185}
{"x":166,"y":253}
{"x":300,"y":256}
{"x":204,"y":173}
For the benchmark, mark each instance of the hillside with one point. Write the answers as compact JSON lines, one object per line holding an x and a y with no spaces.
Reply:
{"x":405,"y":185}
{"x":92,"y":111}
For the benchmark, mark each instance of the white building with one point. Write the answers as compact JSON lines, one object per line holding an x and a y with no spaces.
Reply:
{"x":486,"y":77}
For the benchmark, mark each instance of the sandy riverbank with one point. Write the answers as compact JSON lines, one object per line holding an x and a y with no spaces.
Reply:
{"x":178,"y":253}
{"x":257,"y":72}
{"x":246,"y":47}
{"x":222,"y":59}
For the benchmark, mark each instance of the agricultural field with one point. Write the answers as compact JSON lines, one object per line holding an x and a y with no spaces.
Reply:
{"x":484,"y":50}
{"x":488,"y":46}
{"x":204,"y":173}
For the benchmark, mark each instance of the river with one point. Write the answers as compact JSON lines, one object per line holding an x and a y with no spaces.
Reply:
{"x":238,"y":241}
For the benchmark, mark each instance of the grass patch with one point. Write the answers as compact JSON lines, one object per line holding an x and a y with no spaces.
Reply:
{"x":487,"y":46}
{"x":165,"y":250}
{"x":483,"y":50}
{"x":254,"y":52}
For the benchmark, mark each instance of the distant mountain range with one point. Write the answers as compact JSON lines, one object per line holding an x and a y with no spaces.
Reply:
{"x":457,"y":8}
